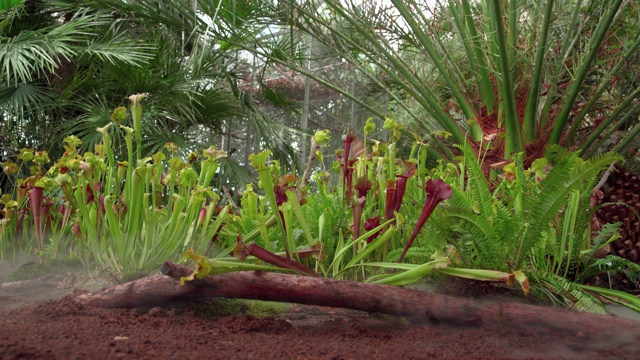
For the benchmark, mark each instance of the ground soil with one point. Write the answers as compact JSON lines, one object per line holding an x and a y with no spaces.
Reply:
{"x":32,"y":327}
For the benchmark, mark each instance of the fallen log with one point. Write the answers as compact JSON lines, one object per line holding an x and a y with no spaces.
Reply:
{"x":417,"y":305}
{"x":413,"y":304}
{"x":147,"y":291}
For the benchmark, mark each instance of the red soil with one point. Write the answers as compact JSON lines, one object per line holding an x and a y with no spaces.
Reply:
{"x":63,"y":329}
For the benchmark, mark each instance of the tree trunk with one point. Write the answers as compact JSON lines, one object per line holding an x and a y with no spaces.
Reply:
{"x":417,"y":305}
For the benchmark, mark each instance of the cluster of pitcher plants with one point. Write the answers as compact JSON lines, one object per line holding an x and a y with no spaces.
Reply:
{"x":129,"y":213}
{"x":370,"y":216}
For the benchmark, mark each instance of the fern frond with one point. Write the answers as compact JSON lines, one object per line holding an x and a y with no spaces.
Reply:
{"x":558,"y":153}
{"x":606,"y":235}
{"x":476,"y":224}
{"x":578,"y":298}
{"x":459,"y":199}
{"x":609,"y":263}
{"x":415,"y":255}
{"x":509,"y":224}
{"x":488,"y":240}
{"x":619,"y":203}
{"x":477,"y":184}
{"x":568,"y":174}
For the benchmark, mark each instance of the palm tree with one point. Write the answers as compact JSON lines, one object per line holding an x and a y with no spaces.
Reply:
{"x":501,"y":76}
{"x":97,"y":52}
{"x":46,"y":53}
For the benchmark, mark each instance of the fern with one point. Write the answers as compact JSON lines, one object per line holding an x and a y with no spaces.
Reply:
{"x":335,"y":217}
{"x":476,"y":224}
{"x":523,"y":222}
{"x":620,"y":203}
{"x":476,"y":212}
{"x":484,"y":238}
{"x":543,"y":224}
{"x":605,"y":236}
{"x":571,"y":294}
{"x":569,"y":246}
{"x":576,"y":225}
{"x":494,"y":221}
{"x":477,"y":185}
{"x":519,"y":190}
{"x":582,"y":227}
{"x":569,"y":173}
{"x":415,"y":255}
{"x":544,"y":205}
{"x":609,"y":263}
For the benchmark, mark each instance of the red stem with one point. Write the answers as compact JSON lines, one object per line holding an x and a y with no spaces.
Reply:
{"x":36,"y":196}
{"x":276,"y":260}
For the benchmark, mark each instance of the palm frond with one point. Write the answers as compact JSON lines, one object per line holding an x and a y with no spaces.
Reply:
{"x":31,"y":54}
{"x":117,"y":48}
{"x":26,"y":98}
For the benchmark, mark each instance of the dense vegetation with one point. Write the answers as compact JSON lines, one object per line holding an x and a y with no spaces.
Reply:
{"x":504,"y":118}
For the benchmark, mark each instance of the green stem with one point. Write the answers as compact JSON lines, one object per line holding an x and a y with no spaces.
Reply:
{"x":483,"y":69}
{"x":574,"y":88}
{"x":513,"y":33}
{"x":427,"y":44}
{"x":570,"y":38}
{"x":292,"y":198}
{"x":595,"y":134}
{"x":514,"y":142}
{"x":603,"y":86}
{"x":264,"y":174}
{"x":529,"y":124}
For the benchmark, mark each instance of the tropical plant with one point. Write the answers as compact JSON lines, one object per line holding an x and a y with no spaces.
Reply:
{"x":47,"y":54}
{"x":127,"y":212}
{"x":66,"y":65}
{"x":501,"y":76}
{"x":537,"y":222}
{"x":387,"y":207}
